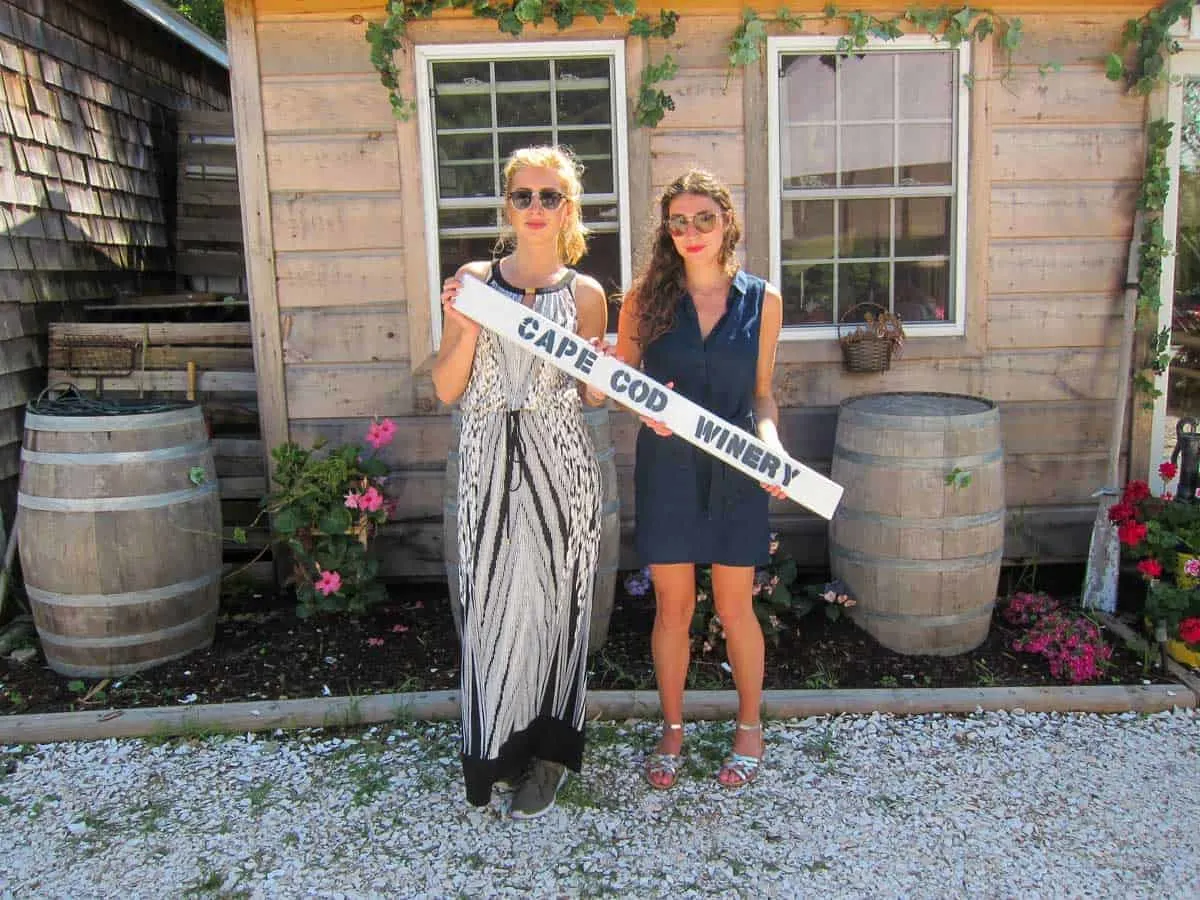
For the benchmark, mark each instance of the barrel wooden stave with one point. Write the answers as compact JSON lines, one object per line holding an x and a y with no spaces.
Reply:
{"x":121,"y":551}
{"x":921,"y":556}
{"x":604,"y":589}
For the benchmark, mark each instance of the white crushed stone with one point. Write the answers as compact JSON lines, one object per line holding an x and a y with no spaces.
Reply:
{"x":991,"y":805}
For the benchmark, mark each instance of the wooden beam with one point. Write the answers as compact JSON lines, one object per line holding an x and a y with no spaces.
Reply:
{"x":412,"y":200}
{"x":757,"y":164}
{"x":979,"y":187}
{"x":245,"y":84}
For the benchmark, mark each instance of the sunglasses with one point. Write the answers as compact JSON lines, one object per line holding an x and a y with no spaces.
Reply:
{"x":704,"y":221}
{"x":522,"y":198}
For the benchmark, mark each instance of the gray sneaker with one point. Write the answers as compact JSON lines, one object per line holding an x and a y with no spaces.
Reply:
{"x":536,"y":794}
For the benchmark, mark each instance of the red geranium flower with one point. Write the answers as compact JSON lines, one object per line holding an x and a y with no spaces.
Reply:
{"x":1135,"y":491}
{"x":1131,"y":533}
{"x":1167,"y":471}
{"x":1151,"y":568}
{"x":1189,"y":630}
{"x":1121,"y":512}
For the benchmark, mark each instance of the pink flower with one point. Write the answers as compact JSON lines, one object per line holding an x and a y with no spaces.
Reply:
{"x":328,"y":583}
{"x":371,"y":500}
{"x":352,"y":500}
{"x":375,"y":642}
{"x":1192,"y":567}
{"x":399,"y":629}
{"x":380,"y":434}
{"x":1167,"y":471}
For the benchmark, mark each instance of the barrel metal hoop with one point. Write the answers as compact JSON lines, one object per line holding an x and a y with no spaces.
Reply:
{"x":954,"y":523}
{"x":971,"y":615}
{"x":129,"y":598}
{"x":940,"y":463}
{"x":948,"y":424}
{"x":118,"y":458}
{"x":115,"y":504}
{"x":131,"y":640}
{"x":952,"y":564}
{"x":142,"y":422}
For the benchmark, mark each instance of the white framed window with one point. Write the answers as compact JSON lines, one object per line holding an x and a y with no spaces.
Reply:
{"x":479,"y":102}
{"x":868,"y":173}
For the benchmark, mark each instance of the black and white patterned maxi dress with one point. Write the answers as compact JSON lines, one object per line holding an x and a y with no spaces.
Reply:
{"x":528,"y":538}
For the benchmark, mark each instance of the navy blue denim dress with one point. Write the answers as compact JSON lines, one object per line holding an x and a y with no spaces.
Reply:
{"x":691,"y":507}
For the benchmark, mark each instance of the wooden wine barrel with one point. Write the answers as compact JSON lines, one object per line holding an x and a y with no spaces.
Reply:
{"x":597,"y":421}
{"x":119,"y":531}
{"x":919,"y":535}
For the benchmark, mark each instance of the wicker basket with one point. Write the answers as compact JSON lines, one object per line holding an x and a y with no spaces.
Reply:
{"x":864,"y":352}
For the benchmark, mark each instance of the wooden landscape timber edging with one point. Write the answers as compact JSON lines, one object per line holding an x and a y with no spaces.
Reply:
{"x":338,"y":712}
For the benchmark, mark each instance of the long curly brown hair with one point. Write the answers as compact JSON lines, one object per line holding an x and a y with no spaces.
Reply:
{"x":660,"y":283}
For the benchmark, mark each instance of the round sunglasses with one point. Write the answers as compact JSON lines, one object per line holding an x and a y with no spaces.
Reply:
{"x":522,"y":198}
{"x":704,"y":221}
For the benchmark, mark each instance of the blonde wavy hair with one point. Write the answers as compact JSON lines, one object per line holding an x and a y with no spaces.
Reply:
{"x":572,"y":238}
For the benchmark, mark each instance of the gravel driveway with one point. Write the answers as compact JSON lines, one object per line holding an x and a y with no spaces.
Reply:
{"x":989,"y":805}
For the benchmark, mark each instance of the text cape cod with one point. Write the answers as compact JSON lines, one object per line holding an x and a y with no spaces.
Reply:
{"x":563,"y":349}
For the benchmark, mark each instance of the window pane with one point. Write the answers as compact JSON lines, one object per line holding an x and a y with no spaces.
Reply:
{"x":861,"y":283}
{"x":463,"y":96}
{"x":926,"y":85}
{"x":809,"y":157}
{"x":807,"y":229}
{"x":573,"y":69}
{"x":530,"y":107}
{"x":925,"y":154}
{"x":865,"y":228}
{"x":523,"y":70}
{"x":456,"y":251}
{"x":599,"y":215}
{"x":508,"y":141}
{"x":583,"y":107}
{"x":808,"y":88}
{"x":867,"y":85}
{"x":594,"y":150}
{"x":807,"y":295}
{"x":923,"y":292}
{"x":466,"y":167}
{"x":867,"y":155}
{"x":923,"y":226}
{"x":469,"y":218}
{"x":603,"y":262}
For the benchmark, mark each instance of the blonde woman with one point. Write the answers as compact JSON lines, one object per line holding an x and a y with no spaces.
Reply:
{"x":529,"y":498}
{"x":695,"y":321}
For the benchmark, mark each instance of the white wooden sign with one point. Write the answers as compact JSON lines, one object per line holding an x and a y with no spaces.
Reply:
{"x":632,"y":388}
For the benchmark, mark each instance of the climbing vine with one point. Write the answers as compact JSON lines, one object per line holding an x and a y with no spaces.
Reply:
{"x":745,"y":46}
{"x":1146,"y":43}
{"x":1154,"y":248}
{"x":511,"y":17}
{"x":942,"y":22}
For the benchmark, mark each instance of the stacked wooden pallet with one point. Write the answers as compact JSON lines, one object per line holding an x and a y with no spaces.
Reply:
{"x":211,"y":362}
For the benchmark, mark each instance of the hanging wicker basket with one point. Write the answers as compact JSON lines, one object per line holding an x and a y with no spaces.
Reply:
{"x":866,"y":350}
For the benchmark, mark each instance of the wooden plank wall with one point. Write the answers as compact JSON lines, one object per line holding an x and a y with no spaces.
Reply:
{"x":1057,"y":161}
{"x":208,"y":229}
{"x":87,"y":94}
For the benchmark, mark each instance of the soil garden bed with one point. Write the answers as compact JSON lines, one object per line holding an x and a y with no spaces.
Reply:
{"x":263,"y":651}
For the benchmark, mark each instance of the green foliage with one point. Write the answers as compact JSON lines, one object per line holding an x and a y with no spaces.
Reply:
{"x":958,"y":478}
{"x":1145,"y":45}
{"x":942,"y":22}
{"x":325,"y":508}
{"x":1153,"y":249}
{"x":511,"y":17}
{"x":208,"y":15}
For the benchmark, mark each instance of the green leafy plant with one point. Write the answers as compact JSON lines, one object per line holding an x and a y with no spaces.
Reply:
{"x":1146,"y":43}
{"x":511,"y":16}
{"x":326,"y":506}
{"x":209,"y":15}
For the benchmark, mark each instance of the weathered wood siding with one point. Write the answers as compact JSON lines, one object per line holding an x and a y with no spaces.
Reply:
{"x":88,"y":90}
{"x":1055,"y":163}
